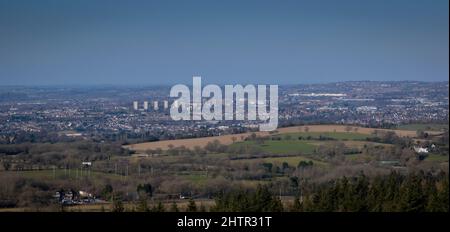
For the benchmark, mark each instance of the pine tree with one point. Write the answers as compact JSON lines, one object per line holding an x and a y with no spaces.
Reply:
{"x":376,"y":195}
{"x":360,"y":191}
{"x":344,"y":195}
{"x":412,"y":197}
{"x":443,"y":195}
{"x":262,"y":199}
{"x":392,"y":192}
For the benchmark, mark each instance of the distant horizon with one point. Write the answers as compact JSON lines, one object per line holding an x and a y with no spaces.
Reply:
{"x":160,"y":42}
{"x":203,"y":84}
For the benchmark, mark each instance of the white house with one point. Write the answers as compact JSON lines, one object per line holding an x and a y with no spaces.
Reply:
{"x":421,"y":149}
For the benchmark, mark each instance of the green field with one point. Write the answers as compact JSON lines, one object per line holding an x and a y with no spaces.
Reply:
{"x":437,"y":158}
{"x":332,"y":135}
{"x":359,"y":157}
{"x":425,"y":127}
{"x":197,"y":177}
{"x":282,"y":146}
{"x":301,"y":142}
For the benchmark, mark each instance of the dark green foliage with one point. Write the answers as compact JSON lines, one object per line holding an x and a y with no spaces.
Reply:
{"x":305,"y":164}
{"x":268,"y":166}
{"x":244,"y":201}
{"x":412,"y":196}
{"x":395,"y":192}
{"x":392,"y":193}
{"x":106,"y":192}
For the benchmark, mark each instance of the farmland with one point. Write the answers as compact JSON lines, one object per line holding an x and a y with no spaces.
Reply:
{"x":424,"y":127}
{"x":336,"y":131}
{"x":313,"y":154}
{"x":281,"y":147}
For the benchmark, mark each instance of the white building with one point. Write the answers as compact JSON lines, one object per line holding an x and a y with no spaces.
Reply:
{"x":421,"y":149}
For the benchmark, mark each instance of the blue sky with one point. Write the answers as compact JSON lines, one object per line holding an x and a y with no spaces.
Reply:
{"x":88,"y":42}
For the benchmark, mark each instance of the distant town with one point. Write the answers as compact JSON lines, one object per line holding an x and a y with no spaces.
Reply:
{"x":105,"y":148}
{"x":45,"y":114}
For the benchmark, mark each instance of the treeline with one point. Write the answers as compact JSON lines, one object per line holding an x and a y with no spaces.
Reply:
{"x":392,"y":193}
{"x":28,"y":156}
{"x":261,"y":200}
{"x":417,"y":192}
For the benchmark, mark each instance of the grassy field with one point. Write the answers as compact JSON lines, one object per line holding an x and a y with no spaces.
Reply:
{"x":340,"y":131}
{"x":282,"y":146}
{"x":332,"y":135}
{"x":437,"y":158}
{"x":425,"y":127}
{"x":194,"y":176}
{"x":359,"y":157}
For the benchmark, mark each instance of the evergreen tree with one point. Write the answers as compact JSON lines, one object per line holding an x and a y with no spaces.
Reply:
{"x":262,"y":200}
{"x":413,"y":199}
{"x":359,"y":192}
{"x":376,"y":195}
{"x":443,"y":195}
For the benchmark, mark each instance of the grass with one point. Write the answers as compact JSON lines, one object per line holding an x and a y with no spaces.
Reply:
{"x":288,"y":147}
{"x":353,"y":156}
{"x":333,"y":135}
{"x":425,"y":127}
{"x":195,"y":177}
{"x":437,"y":158}
{"x":282,"y":146}
{"x":290,"y":143}
{"x":359,"y":157}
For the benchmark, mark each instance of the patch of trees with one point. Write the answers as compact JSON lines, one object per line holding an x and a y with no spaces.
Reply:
{"x":417,"y":192}
{"x":25,"y":193}
{"x":261,"y":200}
{"x":46,"y":155}
{"x":145,"y":190}
{"x":305,"y":164}
{"x":390,"y":137}
{"x":20,"y":137}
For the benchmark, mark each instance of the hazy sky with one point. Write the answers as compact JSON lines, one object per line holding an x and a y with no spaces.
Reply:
{"x":164,"y":42}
